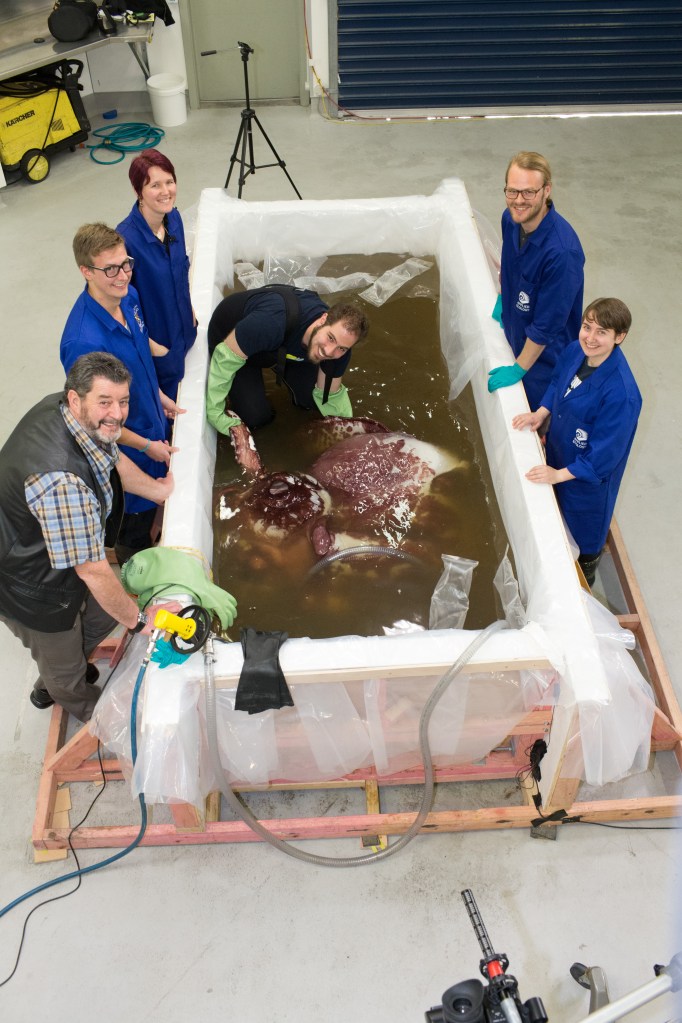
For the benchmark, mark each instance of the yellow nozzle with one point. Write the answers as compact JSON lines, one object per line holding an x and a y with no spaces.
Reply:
{"x":183,"y":627}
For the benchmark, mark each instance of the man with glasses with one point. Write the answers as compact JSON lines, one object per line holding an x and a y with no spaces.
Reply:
{"x":107,"y":318}
{"x":541,"y":278}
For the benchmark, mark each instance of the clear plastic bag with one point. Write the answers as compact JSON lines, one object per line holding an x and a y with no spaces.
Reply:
{"x":283,"y":270}
{"x":330,"y":285}
{"x":249,"y":275}
{"x":508,"y":588}
{"x":450,"y":600}
{"x":392,"y":280}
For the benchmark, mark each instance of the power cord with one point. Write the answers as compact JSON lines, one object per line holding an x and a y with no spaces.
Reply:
{"x":80,"y":871}
{"x":535,"y":753}
{"x":532,"y":773}
{"x":77,"y":873}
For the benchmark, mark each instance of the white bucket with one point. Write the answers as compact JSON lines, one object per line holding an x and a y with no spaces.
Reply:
{"x":167,"y":95}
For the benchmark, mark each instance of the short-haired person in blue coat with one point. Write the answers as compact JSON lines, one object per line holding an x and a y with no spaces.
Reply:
{"x":541,"y":278}
{"x":155,"y":238}
{"x":107,"y":317}
{"x":594,"y":405}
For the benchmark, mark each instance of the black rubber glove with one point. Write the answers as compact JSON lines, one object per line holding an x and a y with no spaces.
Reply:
{"x":262,"y":685}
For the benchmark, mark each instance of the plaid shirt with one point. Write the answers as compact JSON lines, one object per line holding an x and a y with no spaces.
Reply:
{"x":67,"y":509}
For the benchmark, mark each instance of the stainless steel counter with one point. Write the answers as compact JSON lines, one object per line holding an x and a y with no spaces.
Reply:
{"x":26,"y":44}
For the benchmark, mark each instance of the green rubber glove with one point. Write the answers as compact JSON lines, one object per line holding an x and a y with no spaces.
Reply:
{"x":165,"y":656}
{"x":164,"y":570}
{"x":338,"y":403}
{"x":505,"y":376}
{"x":497,"y":311}
{"x":224,"y":367}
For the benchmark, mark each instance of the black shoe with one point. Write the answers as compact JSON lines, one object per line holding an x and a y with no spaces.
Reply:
{"x":91,"y":674}
{"x":41,"y":699}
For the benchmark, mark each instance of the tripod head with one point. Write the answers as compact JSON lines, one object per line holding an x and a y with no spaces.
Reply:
{"x":245,"y":50}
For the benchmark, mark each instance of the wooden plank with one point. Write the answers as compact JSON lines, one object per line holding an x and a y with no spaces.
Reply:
{"x":387,"y":671}
{"x":187,"y":817}
{"x":658,"y":672}
{"x":563,"y":728}
{"x":355,"y":826}
{"x":563,"y":795}
{"x":374,"y":842}
{"x":80,"y":747}
{"x":663,"y":735}
{"x":213,"y":806}
{"x":47,"y":789}
{"x":494,"y":767}
{"x":60,"y":819}
{"x":89,"y":771}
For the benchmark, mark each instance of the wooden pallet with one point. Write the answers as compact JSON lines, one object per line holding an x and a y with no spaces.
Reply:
{"x":75,"y":761}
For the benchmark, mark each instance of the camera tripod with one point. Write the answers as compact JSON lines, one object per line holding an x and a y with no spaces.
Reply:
{"x":470,"y":1001}
{"x":245,"y":134}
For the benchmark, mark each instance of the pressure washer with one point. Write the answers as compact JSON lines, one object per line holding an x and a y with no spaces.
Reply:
{"x":41,"y":113}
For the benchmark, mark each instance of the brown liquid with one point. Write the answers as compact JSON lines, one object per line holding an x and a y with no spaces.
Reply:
{"x":398,"y":376}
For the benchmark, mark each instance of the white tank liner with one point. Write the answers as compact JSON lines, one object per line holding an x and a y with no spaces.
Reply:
{"x":614,"y":733}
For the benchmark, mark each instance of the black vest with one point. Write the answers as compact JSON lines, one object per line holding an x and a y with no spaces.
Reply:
{"x":31,"y":591}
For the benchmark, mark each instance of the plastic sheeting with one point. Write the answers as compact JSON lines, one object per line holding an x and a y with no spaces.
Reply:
{"x":333,"y":728}
{"x":331,"y":731}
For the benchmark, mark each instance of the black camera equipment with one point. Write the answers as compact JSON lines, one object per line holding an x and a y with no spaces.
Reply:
{"x":245,"y":133}
{"x":498,"y":1001}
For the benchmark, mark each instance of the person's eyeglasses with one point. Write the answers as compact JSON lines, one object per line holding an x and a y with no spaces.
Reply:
{"x":527,"y":193}
{"x":114,"y":270}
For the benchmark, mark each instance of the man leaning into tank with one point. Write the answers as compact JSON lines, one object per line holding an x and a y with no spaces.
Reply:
{"x":294,"y":333}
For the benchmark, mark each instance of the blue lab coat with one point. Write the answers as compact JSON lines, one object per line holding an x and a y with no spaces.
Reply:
{"x":590,"y":434}
{"x":90,"y":328}
{"x":161,"y":278}
{"x":542,"y":293}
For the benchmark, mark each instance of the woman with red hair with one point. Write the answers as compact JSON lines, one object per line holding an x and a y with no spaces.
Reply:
{"x":155,"y":237}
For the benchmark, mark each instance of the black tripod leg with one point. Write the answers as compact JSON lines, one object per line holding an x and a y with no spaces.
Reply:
{"x":249,"y":134}
{"x":277,"y":156}
{"x":246,"y":138}
{"x":233,"y":158}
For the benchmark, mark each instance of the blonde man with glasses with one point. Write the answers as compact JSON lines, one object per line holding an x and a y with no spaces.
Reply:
{"x":541,"y":278}
{"x":107,"y":317}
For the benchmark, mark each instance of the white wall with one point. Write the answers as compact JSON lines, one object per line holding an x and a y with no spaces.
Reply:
{"x":113,"y":68}
{"x":318,"y":39}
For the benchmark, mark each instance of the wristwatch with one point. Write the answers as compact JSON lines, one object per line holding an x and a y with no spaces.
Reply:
{"x":142,"y":620}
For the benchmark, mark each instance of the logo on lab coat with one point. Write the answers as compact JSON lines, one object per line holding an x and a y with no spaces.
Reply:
{"x":580,"y":439}
{"x":138,"y":319}
{"x":523,"y":302}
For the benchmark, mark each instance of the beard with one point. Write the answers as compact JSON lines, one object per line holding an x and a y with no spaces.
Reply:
{"x":101,"y":436}
{"x":533,"y":212}
{"x":314,"y":355}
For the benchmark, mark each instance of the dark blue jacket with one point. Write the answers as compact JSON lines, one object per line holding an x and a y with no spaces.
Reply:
{"x":542,"y":293}
{"x":161,"y":278}
{"x":590,"y":434}
{"x":90,"y":328}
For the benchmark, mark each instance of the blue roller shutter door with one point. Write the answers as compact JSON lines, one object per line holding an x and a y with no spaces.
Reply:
{"x":493,"y":53}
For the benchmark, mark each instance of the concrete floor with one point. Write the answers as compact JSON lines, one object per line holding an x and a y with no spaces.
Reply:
{"x":241,"y":932}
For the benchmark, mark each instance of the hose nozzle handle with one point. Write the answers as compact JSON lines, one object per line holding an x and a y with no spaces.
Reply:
{"x":182,"y":627}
